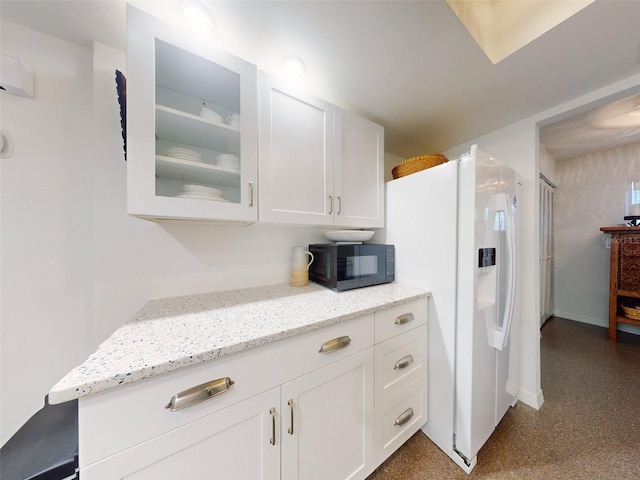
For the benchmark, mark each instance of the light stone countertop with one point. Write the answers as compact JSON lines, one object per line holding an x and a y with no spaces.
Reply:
{"x":171,"y":333}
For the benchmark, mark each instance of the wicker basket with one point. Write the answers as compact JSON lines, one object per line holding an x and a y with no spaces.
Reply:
{"x":629,"y":264}
{"x":415,"y":164}
{"x":630,"y":312}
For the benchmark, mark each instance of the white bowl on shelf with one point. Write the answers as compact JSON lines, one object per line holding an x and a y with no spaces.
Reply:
{"x":349,"y":235}
{"x":209,"y":114}
{"x":228,"y":160}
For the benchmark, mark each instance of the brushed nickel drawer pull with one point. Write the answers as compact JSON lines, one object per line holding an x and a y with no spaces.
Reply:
{"x":290,"y":403}
{"x":406,"y":318}
{"x":404,"y":362}
{"x":330,"y":205}
{"x":403,"y":418}
{"x":272,"y":412}
{"x":251,"y":194}
{"x":199,"y":393}
{"x":335,"y":344}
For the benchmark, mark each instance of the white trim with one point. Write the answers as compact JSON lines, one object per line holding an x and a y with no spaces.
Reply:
{"x":534,"y":400}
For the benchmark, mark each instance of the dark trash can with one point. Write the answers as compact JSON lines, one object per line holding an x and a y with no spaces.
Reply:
{"x":46,"y":447}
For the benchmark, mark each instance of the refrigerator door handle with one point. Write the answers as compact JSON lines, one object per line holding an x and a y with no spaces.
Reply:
{"x":498,"y":336}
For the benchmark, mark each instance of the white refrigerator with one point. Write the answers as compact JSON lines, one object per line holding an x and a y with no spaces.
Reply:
{"x":454,"y":231}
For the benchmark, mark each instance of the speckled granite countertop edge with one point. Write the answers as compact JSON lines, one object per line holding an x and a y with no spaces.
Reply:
{"x":172,"y":333}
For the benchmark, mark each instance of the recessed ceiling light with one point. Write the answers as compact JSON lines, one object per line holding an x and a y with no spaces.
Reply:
{"x":293,"y":67}
{"x":197,"y":17}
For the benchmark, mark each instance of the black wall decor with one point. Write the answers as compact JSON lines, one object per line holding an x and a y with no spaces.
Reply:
{"x":121,"y":87}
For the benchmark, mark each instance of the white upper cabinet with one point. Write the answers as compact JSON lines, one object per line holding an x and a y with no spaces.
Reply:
{"x":191,"y":127}
{"x":296,"y":155}
{"x":358,"y":171}
{"x":319,"y":165}
{"x":193,"y":146}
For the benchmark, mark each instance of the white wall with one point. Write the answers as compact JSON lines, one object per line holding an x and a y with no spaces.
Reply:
{"x":390,"y":161}
{"x":590,"y":194}
{"x":547,"y":165}
{"x":74,"y":265}
{"x":46,"y":207}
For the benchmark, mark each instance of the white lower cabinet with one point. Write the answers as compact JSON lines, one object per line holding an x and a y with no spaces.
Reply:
{"x":233,"y":443}
{"x":400,"y":376}
{"x":327,"y":422}
{"x":317,"y":426}
{"x":401,"y":360}
{"x":329,"y":404}
{"x":397,"y":419}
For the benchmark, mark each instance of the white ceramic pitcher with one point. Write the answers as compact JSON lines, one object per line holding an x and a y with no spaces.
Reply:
{"x":300,"y":267}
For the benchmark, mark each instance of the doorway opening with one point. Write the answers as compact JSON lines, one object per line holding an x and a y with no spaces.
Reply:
{"x":589,"y":154}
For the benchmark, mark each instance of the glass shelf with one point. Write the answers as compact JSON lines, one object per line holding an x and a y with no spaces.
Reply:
{"x":196,"y":172}
{"x":193,"y":130}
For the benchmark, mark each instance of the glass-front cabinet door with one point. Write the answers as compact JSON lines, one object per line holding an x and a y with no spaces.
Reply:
{"x":191,"y":126}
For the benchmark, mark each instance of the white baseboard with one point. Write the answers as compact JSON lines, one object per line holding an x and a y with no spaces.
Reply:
{"x":534,"y":400}
{"x":596,"y":321}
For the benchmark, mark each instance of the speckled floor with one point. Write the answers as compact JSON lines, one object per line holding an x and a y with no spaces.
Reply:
{"x":587,"y":428}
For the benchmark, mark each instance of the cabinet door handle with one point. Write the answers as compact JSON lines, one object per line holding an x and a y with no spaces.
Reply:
{"x":290,"y":403}
{"x":404,"y":362}
{"x":339,"y":206}
{"x":404,"y":417}
{"x":335,"y":344}
{"x":330,"y":204}
{"x":251,"y":194}
{"x":406,"y":318}
{"x":199,"y":393}
{"x":272,"y":412}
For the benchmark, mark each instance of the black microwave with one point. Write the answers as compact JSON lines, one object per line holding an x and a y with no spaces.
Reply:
{"x":348,"y":266}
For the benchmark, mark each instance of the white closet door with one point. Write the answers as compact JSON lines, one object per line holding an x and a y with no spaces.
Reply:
{"x":546,"y":240}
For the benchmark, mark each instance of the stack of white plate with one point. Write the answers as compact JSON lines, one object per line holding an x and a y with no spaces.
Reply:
{"x":201,"y":192}
{"x":184,"y":154}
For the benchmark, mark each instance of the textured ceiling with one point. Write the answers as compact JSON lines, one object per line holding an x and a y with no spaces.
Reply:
{"x":613,"y":125}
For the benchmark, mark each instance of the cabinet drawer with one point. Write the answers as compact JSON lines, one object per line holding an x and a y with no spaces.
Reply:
{"x":399,"y":319}
{"x":115,"y":420}
{"x":399,"y":362}
{"x":399,"y":418}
